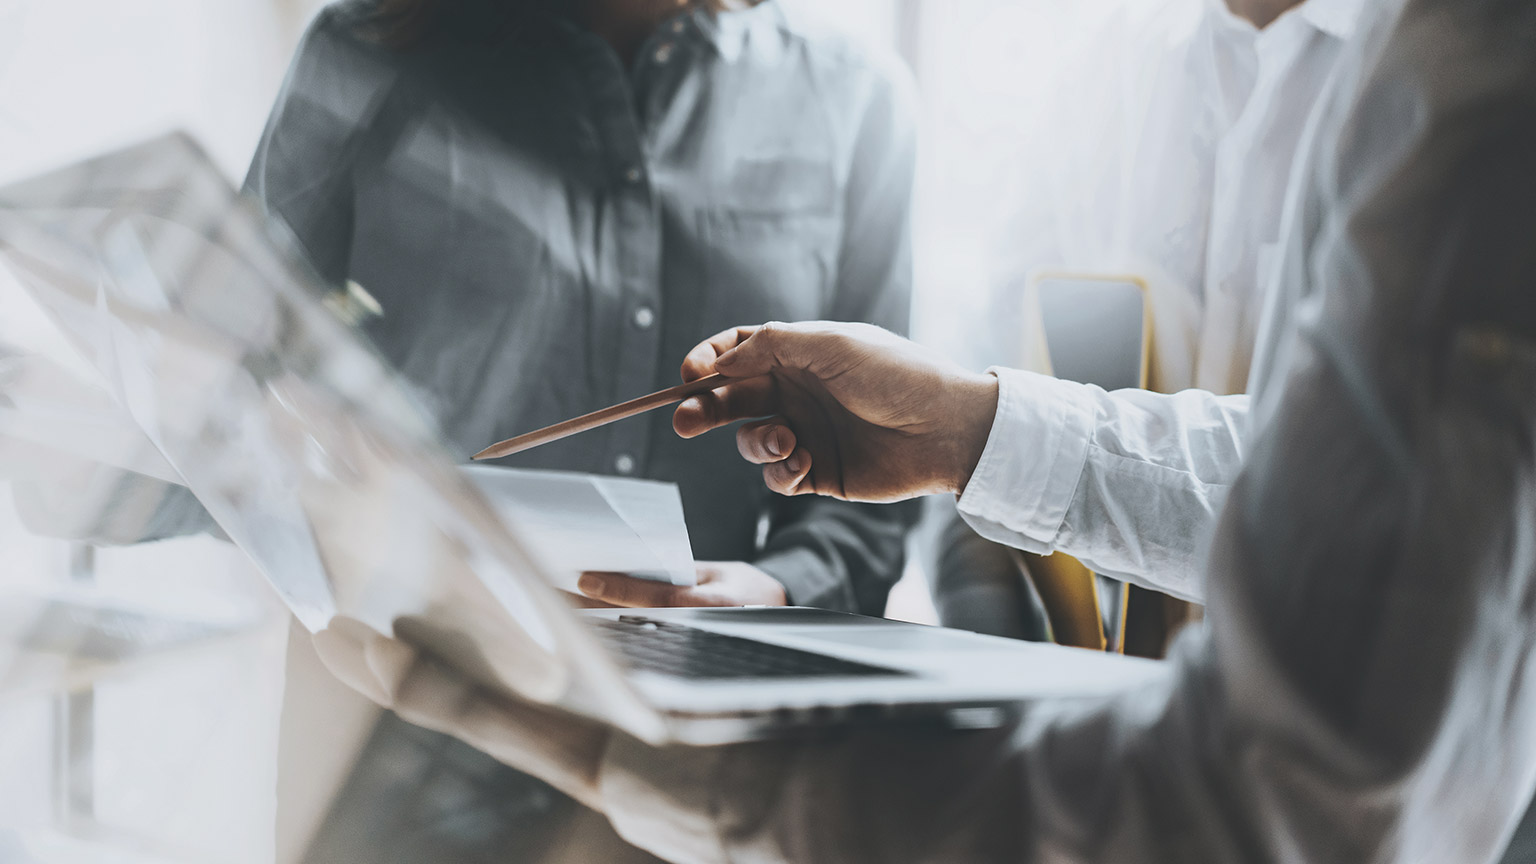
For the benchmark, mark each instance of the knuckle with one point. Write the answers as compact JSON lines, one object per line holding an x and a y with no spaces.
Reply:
{"x":771,"y":333}
{"x":772,"y":478}
{"x":786,"y":479}
{"x":749,"y":443}
{"x":706,"y":406}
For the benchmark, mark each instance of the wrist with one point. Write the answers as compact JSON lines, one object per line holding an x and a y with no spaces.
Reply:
{"x":976,"y":409}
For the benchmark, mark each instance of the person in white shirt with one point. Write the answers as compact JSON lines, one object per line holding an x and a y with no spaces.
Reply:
{"x":1169,"y":159}
{"x":1364,"y":689}
{"x":1169,"y":155}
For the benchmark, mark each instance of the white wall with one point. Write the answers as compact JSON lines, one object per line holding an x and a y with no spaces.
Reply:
{"x":79,"y":76}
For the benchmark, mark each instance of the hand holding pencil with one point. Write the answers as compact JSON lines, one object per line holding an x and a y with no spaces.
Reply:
{"x":845,"y":410}
{"x":849,"y":411}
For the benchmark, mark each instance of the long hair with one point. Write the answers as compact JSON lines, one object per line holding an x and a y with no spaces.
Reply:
{"x":401,"y":24}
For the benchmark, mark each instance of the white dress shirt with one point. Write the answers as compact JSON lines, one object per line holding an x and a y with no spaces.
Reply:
{"x":1206,"y":133}
{"x":1364,"y":689}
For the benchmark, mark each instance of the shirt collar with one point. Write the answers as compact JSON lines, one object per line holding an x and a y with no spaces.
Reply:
{"x":727,"y":32}
{"x":1337,"y":18}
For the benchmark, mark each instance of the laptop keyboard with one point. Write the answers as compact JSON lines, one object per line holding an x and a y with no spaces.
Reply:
{"x":680,"y":651}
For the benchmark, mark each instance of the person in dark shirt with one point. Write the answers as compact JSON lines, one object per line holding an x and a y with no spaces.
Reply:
{"x":550,"y":203}
{"x":553,"y":202}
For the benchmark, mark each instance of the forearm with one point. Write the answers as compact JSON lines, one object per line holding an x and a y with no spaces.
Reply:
{"x":907,"y":794}
{"x":883,"y":796}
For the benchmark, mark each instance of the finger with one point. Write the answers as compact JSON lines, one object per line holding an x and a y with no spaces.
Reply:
{"x":765,"y":441}
{"x":701,"y":360}
{"x":581,"y":602}
{"x":369,"y":662}
{"x":628,"y":591}
{"x":739,"y":400}
{"x":790,"y":476}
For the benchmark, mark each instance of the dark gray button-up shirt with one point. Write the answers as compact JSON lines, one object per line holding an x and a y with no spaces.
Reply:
{"x":547,"y":233}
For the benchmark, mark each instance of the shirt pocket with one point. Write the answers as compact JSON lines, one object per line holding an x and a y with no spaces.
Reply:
{"x":770,"y":244}
{"x":765,"y":268}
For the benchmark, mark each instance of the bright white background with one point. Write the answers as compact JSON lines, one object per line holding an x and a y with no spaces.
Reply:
{"x":80,"y":76}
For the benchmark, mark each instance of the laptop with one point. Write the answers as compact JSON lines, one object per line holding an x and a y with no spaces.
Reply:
{"x":314,"y":456}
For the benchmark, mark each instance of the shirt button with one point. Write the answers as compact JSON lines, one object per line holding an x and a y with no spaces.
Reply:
{"x":624,"y":464}
{"x":677,"y":26}
{"x":664,"y":52}
{"x":645,"y":317}
{"x":632,"y":175}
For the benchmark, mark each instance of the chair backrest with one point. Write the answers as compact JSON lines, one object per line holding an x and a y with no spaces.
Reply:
{"x":1095,"y":329}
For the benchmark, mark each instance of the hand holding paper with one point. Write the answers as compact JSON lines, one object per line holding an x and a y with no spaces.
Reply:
{"x":577,"y":523}
{"x":721,"y":583}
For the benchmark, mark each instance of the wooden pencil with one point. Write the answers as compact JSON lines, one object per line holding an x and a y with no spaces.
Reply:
{"x":603,"y":417}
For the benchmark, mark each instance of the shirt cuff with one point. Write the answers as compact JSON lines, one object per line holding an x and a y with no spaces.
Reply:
{"x":806,"y":578}
{"x":1029,"y":470}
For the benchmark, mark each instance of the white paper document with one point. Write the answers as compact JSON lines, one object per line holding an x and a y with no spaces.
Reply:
{"x":578,"y":522}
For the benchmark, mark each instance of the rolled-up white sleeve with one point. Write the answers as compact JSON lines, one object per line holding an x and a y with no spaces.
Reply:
{"x":1021,"y":488}
{"x":1129,"y":482}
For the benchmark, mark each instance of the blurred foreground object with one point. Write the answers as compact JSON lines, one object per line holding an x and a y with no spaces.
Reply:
{"x":214,"y":341}
{"x":168,"y":369}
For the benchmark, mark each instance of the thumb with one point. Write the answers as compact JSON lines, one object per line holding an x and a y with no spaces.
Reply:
{"x":362,"y":658}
